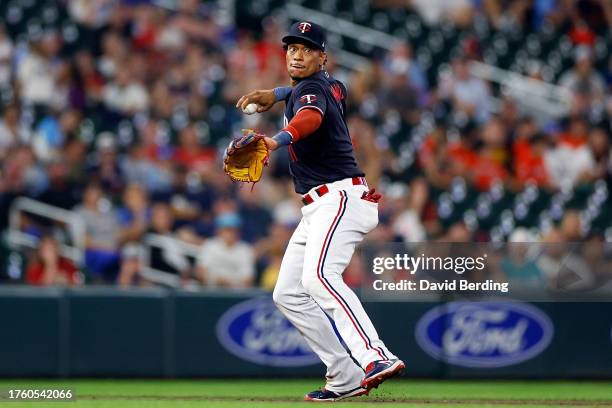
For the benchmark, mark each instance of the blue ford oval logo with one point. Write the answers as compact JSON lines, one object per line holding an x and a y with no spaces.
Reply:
{"x":484,"y":334}
{"x":256,"y":331}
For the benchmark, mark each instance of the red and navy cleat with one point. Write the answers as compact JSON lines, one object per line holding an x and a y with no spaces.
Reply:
{"x":379,"y":371}
{"x":324,"y":395}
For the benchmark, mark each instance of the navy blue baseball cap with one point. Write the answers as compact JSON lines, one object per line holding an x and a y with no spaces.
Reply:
{"x":305,"y":32}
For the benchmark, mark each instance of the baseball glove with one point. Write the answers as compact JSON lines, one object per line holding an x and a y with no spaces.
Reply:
{"x":246,"y":156}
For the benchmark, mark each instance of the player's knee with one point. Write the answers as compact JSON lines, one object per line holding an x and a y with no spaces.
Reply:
{"x":311,"y":282}
{"x":280,"y":297}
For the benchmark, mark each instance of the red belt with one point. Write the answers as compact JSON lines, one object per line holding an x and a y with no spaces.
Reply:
{"x":321,"y":191}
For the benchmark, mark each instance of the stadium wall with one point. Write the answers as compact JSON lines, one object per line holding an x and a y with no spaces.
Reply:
{"x":106,"y":332}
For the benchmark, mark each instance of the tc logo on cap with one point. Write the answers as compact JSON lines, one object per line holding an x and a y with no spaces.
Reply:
{"x":303,"y":27}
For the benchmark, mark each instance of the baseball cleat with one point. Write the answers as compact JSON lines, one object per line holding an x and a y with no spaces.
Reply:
{"x":379,"y":371}
{"x":324,"y":395}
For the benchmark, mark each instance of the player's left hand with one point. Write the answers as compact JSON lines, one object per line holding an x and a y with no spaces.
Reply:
{"x":263,"y":98}
{"x":246,"y":156}
{"x":270,"y":143}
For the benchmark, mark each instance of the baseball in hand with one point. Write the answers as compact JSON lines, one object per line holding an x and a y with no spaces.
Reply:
{"x":250,"y":109}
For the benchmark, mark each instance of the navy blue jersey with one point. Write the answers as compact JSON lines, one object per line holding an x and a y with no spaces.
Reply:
{"x":326,"y":155}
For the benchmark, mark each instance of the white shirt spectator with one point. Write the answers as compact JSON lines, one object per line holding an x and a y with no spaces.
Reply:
{"x":408,"y":225}
{"x":233,"y":264}
{"x":36,"y":80}
{"x":433,"y":11}
{"x":8,"y":139}
{"x":92,"y":13}
{"x":469,"y":91}
{"x":127,"y":99}
{"x":565,"y":164}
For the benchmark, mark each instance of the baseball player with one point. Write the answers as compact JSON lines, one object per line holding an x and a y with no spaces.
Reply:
{"x":339,"y":210}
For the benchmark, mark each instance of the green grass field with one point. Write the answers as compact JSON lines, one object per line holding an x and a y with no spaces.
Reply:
{"x":288,"y":393}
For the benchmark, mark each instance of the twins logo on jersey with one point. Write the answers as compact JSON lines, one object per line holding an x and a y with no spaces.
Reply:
{"x":308,"y":99}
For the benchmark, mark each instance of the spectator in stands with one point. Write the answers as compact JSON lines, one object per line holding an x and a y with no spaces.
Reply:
{"x":50,"y":268}
{"x":103,"y":234}
{"x":400,"y":59}
{"x":154,"y":139}
{"x":397,"y":94}
{"x":489,"y":166}
{"x":518,"y":263}
{"x":599,"y":143}
{"x":53,"y":131}
{"x":468,"y":95}
{"x":22,"y":173}
{"x":256,"y":218}
{"x":225,"y":261}
{"x":435,"y":159}
{"x":104,"y":165}
{"x":407,"y":223}
{"x":74,"y":155}
{"x":528,"y":154}
{"x":61,"y":191}
{"x":36,"y":72}
{"x":155,"y":175}
{"x":91,"y":13}
{"x":91,"y":79}
{"x":459,"y":12}
{"x":114,"y":53}
{"x":124,"y":94}
{"x":135,"y":216}
{"x":190,"y":152}
{"x":12,"y":131}
{"x":582,"y":77}
{"x":190,"y":197}
{"x":196,"y":23}
{"x":571,"y":161}
{"x":167,"y":257}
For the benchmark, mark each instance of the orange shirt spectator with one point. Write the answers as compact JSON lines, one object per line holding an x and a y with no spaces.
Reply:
{"x":50,"y":268}
{"x":529,"y":163}
{"x":190,"y":152}
{"x":194,"y":159}
{"x":67,"y":274}
{"x":486,"y":170}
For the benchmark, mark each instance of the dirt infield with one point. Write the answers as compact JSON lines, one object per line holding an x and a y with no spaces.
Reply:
{"x":369,"y":400}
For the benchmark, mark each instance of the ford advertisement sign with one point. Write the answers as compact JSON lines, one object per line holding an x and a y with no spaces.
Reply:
{"x":256,"y":331}
{"x":484,"y":334}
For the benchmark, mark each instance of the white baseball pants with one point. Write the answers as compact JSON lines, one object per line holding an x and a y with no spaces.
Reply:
{"x":310,"y":286}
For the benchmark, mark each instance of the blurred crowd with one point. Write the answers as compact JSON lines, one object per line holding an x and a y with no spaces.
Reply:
{"x":123,"y":120}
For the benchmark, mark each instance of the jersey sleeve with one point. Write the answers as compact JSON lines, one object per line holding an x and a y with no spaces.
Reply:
{"x":309,"y":96}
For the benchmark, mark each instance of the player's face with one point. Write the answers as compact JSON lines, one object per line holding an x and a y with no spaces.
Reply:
{"x":303,"y":61}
